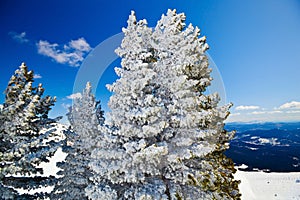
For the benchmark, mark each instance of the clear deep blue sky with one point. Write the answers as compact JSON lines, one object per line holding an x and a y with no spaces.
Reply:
{"x":255,"y":44}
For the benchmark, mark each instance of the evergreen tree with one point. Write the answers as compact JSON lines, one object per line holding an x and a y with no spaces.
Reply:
{"x":85,"y":116}
{"x":27,"y":135}
{"x":167,"y":136}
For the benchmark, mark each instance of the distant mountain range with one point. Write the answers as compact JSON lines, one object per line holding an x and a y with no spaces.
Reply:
{"x":271,"y":147}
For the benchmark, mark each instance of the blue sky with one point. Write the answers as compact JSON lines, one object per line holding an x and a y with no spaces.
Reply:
{"x":255,"y":45}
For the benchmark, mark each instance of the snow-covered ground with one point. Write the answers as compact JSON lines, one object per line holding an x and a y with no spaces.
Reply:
{"x":254,"y":185}
{"x":268,"y":186}
{"x":50,"y":169}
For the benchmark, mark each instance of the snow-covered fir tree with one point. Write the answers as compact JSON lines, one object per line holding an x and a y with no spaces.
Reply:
{"x":27,"y":135}
{"x":84,"y":116}
{"x":167,"y":135}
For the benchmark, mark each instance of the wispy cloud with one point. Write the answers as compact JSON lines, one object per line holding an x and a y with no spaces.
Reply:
{"x":289,"y":111}
{"x":80,"y":45}
{"x":293,"y":111}
{"x":74,"y":96}
{"x":37,"y":76}
{"x":275,"y":111}
{"x":235,"y":114}
{"x":19,"y":37}
{"x":290,"y":105}
{"x":66,"y":105}
{"x":247,"y":107}
{"x":72,"y":53}
{"x":257,"y":113}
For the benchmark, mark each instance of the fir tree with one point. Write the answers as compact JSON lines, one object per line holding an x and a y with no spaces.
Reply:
{"x":27,"y":135}
{"x":84,"y":116}
{"x":167,"y":136}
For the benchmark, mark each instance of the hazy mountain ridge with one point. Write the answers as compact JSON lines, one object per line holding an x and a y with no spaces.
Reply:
{"x":266,"y":146}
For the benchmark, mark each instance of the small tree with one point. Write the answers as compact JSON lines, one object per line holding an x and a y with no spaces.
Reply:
{"x":85,"y":116}
{"x":26,"y":133}
{"x":167,"y":137}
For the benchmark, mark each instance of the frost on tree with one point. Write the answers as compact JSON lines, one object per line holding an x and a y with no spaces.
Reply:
{"x":27,"y":135}
{"x":84,"y":116}
{"x":167,"y":136}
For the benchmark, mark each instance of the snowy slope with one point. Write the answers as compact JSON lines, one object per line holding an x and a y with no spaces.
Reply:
{"x":254,"y":185}
{"x":50,"y":167}
{"x":268,"y":186}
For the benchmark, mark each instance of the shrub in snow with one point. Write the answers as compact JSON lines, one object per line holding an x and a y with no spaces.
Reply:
{"x":27,"y":135}
{"x":85,"y":115}
{"x":167,"y":136}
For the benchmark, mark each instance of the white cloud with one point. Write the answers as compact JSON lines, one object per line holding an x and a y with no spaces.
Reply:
{"x":257,"y":113}
{"x":37,"y":76}
{"x":66,"y":106}
{"x":247,"y":107}
{"x":74,"y":96}
{"x":293,"y":111}
{"x":274,"y":112}
{"x":72,"y":53}
{"x":19,"y":37}
{"x":80,"y":45}
{"x":290,"y":105}
{"x":235,"y":114}
{"x":287,"y":112}
{"x":265,"y":112}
